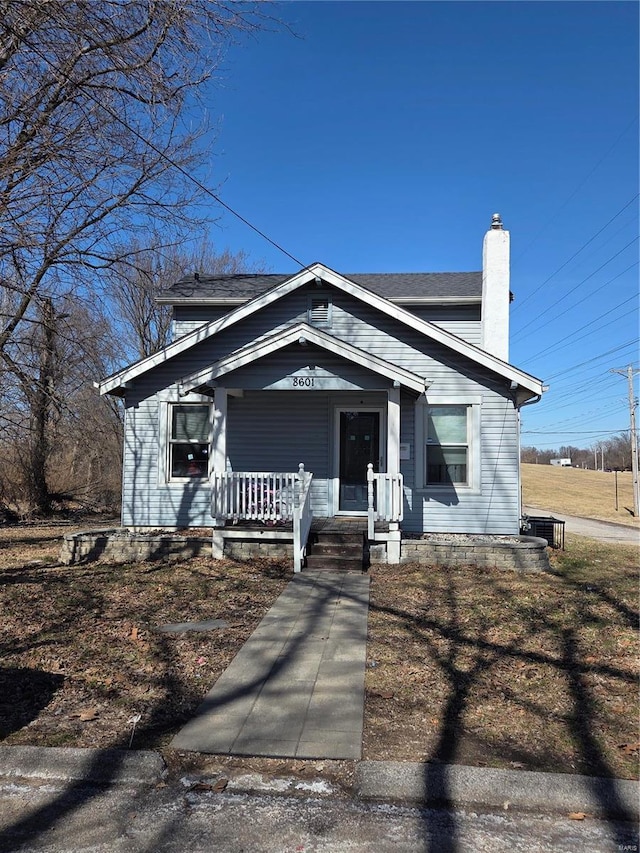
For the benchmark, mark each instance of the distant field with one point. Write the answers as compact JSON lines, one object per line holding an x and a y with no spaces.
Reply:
{"x":574,"y":491}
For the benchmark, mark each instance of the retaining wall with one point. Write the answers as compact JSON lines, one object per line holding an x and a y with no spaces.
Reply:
{"x":523,"y":553}
{"x":120,"y":546}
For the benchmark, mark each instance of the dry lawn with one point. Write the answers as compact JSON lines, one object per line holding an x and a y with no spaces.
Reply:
{"x":505,"y":670}
{"x":591,"y":494}
{"x":469,"y":666}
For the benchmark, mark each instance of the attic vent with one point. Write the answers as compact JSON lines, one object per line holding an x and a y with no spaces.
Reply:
{"x":320,"y":311}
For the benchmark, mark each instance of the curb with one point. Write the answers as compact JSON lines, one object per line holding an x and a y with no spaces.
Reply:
{"x":95,"y":766}
{"x":388,"y":781}
{"x":523,"y":790}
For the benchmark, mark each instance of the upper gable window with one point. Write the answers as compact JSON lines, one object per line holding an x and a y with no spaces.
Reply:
{"x":319,"y":310}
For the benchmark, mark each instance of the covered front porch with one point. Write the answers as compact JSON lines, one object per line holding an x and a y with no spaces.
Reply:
{"x":275,"y":508}
{"x":305,"y":426}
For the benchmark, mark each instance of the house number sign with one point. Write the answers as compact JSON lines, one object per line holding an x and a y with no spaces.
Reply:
{"x":303,"y":381}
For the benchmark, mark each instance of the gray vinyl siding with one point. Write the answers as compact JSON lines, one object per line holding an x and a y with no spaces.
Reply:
{"x":186,"y":318}
{"x":146,"y":501}
{"x":274,"y":430}
{"x":270,"y":431}
{"x":461,"y":320}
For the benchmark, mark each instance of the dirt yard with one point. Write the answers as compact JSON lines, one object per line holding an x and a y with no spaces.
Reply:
{"x":464,"y":666}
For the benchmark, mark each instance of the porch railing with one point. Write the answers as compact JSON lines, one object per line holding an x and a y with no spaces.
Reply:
{"x":253,"y":495}
{"x":384,"y":498}
{"x":268,"y":497}
{"x":302,"y":516}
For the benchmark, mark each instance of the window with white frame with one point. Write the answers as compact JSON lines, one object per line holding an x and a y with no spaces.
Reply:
{"x":447,"y":450}
{"x":189,"y":440}
{"x":447,"y":437}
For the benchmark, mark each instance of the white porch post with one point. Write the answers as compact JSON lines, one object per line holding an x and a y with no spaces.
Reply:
{"x":393,"y":464}
{"x":393,"y":430}
{"x":219,"y":459}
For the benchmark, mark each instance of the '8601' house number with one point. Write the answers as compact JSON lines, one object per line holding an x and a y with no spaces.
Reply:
{"x":303,"y":381}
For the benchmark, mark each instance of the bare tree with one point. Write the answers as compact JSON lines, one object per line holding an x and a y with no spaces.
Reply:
{"x":133,"y":283}
{"x":60,"y":442}
{"x":97,"y":141}
{"x":92,"y":139}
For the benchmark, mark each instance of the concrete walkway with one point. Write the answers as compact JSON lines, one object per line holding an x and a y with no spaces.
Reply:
{"x":604,"y":531}
{"x":296,"y":687}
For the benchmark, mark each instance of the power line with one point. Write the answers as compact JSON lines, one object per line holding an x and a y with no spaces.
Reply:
{"x":595,"y":358}
{"x":575,"y":255}
{"x":552,"y":219}
{"x":573,"y":289}
{"x":566,"y":340}
{"x":165,"y":156}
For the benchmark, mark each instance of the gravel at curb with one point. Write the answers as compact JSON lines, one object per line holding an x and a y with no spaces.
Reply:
{"x":388,"y":781}
{"x":95,"y":766}
{"x":457,"y":785}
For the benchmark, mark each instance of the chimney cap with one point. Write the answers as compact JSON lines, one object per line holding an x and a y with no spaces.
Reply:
{"x":496,"y":221}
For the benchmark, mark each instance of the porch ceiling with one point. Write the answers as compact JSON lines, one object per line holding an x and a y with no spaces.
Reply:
{"x":302,"y":333}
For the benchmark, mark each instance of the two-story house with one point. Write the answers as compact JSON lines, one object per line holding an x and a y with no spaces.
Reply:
{"x":394,"y":391}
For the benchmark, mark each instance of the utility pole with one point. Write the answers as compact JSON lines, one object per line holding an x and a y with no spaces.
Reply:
{"x":630,"y":373}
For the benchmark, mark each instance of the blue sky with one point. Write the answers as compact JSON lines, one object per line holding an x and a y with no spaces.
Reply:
{"x":382,"y":136}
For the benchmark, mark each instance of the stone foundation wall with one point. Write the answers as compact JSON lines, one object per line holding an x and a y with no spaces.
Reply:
{"x":119,"y":546}
{"x":524,"y":554}
{"x":246,"y":549}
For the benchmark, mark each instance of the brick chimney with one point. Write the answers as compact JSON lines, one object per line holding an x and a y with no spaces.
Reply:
{"x":495,"y":290}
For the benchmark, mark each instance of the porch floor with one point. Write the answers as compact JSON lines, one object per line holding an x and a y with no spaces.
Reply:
{"x":296,"y":687}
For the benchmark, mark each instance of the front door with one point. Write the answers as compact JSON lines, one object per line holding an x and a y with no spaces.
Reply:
{"x":358,"y":433}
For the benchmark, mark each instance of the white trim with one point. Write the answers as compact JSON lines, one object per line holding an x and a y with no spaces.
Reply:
{"x":235,"y":302}
{"x":310,"y":334}
{"x":305,"y":276}
{"x":393,"y":431}
{"x":334,"y":495}
{"x":165,"y":408}
{"x":474,"y":439}
{"x":218,"y":458}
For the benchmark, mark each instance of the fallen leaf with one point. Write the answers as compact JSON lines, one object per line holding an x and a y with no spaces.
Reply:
{"x":577,"y":816}
{"x":216,"y":787}
{"x":86,"y":714}
{"x":134,"y":634}
{"x":629,"y":748}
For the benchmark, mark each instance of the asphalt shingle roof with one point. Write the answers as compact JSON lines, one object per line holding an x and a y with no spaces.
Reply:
{"x":425,"y":285}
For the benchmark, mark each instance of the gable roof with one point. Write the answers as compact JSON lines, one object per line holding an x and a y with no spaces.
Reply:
{"x":459,"y":287}
{"x":116,"y":382}
{"x":302,"y":333}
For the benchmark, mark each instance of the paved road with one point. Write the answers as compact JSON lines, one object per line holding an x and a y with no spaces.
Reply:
{"x":174,"y":819}
{"x":601,"y":530}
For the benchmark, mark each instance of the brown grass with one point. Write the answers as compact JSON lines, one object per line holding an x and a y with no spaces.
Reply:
{"x":579,"y":492}
{"x":507,"y":670}
{"x":480,"y":667}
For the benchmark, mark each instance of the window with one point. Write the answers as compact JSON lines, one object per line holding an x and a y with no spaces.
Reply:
{"x":189,"y":441}
{"x":447,"y":446}
{"x":319,"y":311}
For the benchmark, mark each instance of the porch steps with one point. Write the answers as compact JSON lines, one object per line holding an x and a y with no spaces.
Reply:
{"x":332,"y":551}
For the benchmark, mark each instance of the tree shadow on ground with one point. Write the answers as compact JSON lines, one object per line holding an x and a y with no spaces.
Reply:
{"x":24,"y":692}
{"x":464,"y":649}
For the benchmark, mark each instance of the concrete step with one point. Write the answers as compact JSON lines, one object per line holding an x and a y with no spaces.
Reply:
{"x":320,"y":563}
{"x":335,"y":538}
{"x":326,"y":549}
